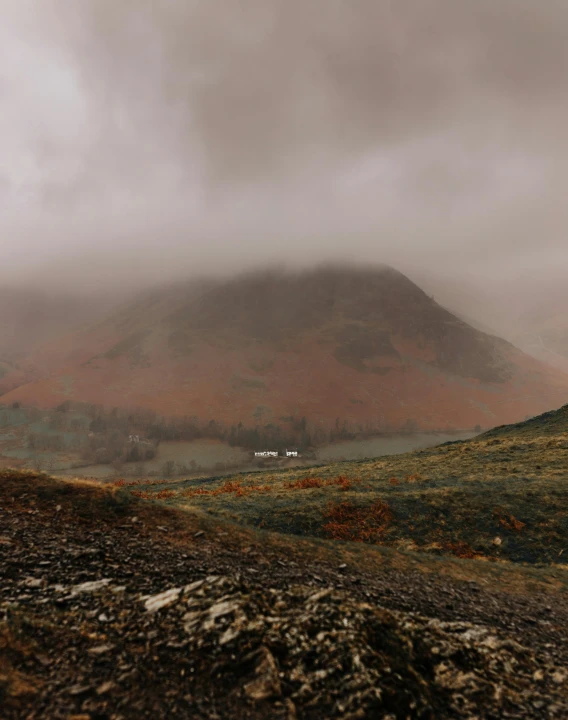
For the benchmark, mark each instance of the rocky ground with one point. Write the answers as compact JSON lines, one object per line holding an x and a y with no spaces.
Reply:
{"x":118,"y":608}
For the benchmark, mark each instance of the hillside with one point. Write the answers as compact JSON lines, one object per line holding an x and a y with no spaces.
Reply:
{"x":114,"y":607}
{"x":499,"y":496}
{"x":551,"y":424}
{"x":364,"y":350}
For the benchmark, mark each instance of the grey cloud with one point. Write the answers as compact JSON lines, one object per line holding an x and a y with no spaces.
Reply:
{"x":263,"y":87}
{"x":150,"y":139}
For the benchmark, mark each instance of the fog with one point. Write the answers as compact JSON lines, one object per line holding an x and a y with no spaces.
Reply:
{"x":144,"y":141}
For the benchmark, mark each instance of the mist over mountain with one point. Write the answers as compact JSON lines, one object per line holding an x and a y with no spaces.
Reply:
{"x":30,"y":317}
{"x":364,"y":347}
{"x":144,"y":142}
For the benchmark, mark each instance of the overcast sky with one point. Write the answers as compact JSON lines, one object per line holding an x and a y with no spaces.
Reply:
{"x":142,"y":140}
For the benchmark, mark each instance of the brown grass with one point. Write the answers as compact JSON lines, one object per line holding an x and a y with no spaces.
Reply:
{"x":358,"y":524}
{"x":103,"y":505}
{"x":461,"y":549}
{"x":316,"y":482}
{"x":305,"y":483}
{"x":229,"y":486}
{"x":160,"y":495}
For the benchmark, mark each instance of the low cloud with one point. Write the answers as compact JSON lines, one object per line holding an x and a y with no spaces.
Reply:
{"x":144,"y":141}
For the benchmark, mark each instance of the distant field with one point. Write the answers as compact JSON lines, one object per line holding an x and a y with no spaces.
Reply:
{"x":204,"y":453}
{"x":188,"y":458}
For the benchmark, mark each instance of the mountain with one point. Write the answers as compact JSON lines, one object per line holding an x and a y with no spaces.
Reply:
{"x":358,"y":348}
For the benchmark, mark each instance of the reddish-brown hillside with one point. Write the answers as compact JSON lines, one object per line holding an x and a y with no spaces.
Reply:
{"x":365,"y":346}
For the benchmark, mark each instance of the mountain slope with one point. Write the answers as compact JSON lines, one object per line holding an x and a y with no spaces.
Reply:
{"x":364,"y":348}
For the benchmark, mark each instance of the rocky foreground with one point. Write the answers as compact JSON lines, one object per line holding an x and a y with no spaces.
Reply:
{"x":112,"y":608}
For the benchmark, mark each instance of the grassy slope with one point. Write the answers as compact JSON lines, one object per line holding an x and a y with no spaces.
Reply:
{"x":89,"y":502}
{"x":501,"y":495}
